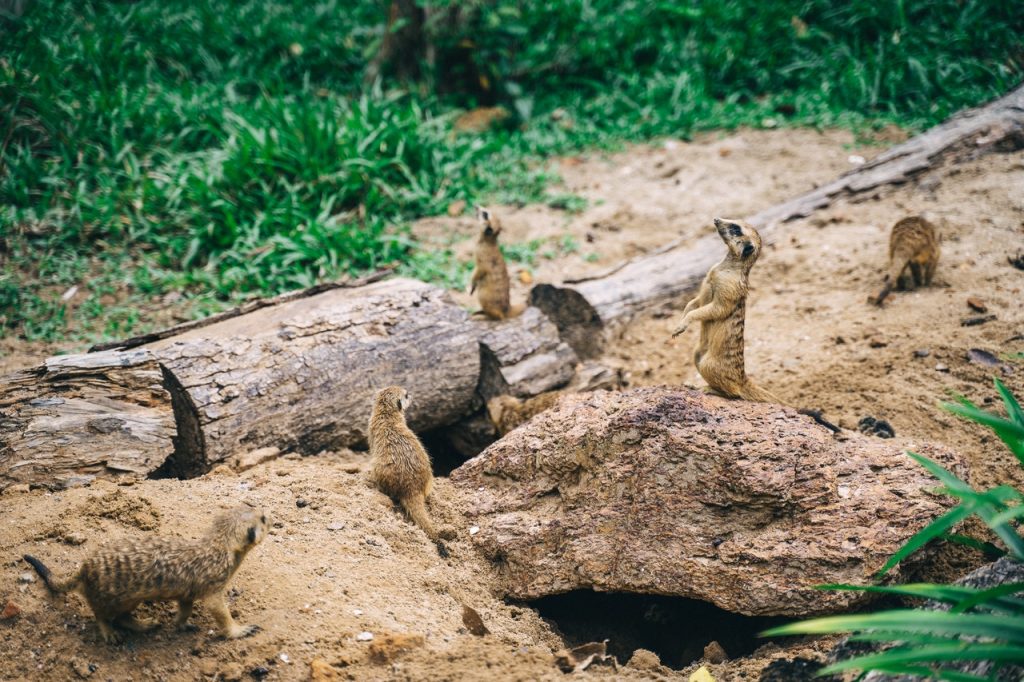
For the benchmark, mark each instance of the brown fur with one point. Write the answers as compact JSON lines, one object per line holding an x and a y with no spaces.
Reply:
{"x":490,"y":278}
{"x":720,"y":306}
{"x":507,"y":412}
{"x":913,"y":256}
{"x":121,"y":575}
{"x":400,"y":467}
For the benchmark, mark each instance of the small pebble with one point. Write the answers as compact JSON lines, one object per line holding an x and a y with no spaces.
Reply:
{"x":357,"y":612}
{"x":10,"y":611}
{"x":922,"y":353}
{"x":301,"y":502}
{"x":877,"y":342}
{"x":941,"y":368}
{"x":364,"y":637}
{"x":337,"y":525}
{"x":284,"y":657}
{"x":977,"y":305}
{"x":26,"y":578}
{"x":473,"y":530}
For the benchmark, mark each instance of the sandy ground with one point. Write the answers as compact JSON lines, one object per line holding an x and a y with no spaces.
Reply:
{"x":341,"y":561}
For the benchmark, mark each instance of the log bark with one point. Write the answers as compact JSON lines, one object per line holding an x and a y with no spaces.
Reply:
{"x":674,"y":492}
{"x":302,"y":375}
{"x":586,"y":310}
{"x":523,"y":356}
{"x":81,"y":416}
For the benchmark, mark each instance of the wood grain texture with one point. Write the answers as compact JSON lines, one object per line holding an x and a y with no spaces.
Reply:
{"x":302,"y":375}
{"x":77,"y":417}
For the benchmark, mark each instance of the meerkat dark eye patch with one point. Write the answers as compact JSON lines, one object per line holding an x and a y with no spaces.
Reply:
{"x":263,"y":519}
{"x":748,"y":249}
{"x":252,"y":534}
{"x":735,"y":230}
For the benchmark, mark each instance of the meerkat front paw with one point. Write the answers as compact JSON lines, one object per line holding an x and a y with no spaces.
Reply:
{"x":240,"y":631}
{"x":680,"y":329}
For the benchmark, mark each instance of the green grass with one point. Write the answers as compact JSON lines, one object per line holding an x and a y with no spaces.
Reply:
{"x":225,"y":151}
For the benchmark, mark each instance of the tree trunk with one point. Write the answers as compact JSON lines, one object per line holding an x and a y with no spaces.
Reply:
{"x":302,"y":375}
{"x":586,"y":310}
{"x":81,"y":416}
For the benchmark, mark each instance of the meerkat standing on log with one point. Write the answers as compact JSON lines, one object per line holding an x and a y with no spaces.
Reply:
{"x":720,"y":306}
{"x":491,"y":274}
{"x":122,"y":575}
{"x":913,"y":246}
{"x":400,"y":467}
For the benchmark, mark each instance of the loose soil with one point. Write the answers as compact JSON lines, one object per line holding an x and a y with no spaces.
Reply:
{"x":341,"y":561}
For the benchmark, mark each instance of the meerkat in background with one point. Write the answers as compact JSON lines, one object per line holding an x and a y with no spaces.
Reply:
{"x":720,"y":306}
{"x":400,"y":467}
{"x":913,"y":246}
{"x":121,"y":575}
{"x":507,"y":412}
{"x":490,"y":278}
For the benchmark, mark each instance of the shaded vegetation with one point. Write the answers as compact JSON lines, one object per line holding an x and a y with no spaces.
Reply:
{"x":226,"y":150}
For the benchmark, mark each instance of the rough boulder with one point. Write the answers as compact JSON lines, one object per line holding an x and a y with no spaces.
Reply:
{"x":673,"y":492}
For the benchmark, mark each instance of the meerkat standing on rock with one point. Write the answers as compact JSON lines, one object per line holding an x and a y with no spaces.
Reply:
{"x":720,"y":307}
{"x":400,"y":467}
{"x":120,"y":576}
{"x":490,"y":278}
{"x":913,"y":246}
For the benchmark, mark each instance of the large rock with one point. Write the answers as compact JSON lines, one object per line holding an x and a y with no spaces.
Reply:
{"x":672,"y":492}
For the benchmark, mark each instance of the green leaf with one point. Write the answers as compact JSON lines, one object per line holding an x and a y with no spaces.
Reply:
{"x":966,"y":651}
{"x":933,"y":530}
{"x":912,"y":621}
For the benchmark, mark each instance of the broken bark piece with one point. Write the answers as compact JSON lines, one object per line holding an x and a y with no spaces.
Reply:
{"x":582,"y":657}
{"x":473,"y":622}
{"x":673,"y":492}
{"x":523,"y":356}
{"x":976,"y":320}
{"x":76,"y":417}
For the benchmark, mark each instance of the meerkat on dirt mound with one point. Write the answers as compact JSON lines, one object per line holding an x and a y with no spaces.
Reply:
{"x":400,"y":467}
{"x":490,"y":278}
{"x":121,"y":575}
{"x":720,"y":306}
{"x":507,"y":412}
{"x":913,"y":255}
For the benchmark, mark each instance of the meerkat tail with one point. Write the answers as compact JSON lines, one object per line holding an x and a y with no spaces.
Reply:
{"x":54,"y":586}
{"x":891,"y":279}
{"x":757,"y":394}
{"x":416,"y":507}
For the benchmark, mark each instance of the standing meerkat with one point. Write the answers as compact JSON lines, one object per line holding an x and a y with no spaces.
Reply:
{"x":913,"y":246}
{"x":490,"y":278}
{"x":507,"y":412}
{"x":400,"y":467}
{"x":121,"y":575}
{"x":720,"y":306}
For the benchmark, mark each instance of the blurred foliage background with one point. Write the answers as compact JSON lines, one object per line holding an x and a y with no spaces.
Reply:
{"x":216,"y":150}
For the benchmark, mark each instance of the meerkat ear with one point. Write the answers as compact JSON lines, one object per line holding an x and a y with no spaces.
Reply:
{"x":252,"y":534}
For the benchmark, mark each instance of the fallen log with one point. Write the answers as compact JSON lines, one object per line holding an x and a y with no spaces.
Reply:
{"x":77,"y":417}
{"x":586,"y":310}
{"x":674,"y":492}
{"x":302,"y":375}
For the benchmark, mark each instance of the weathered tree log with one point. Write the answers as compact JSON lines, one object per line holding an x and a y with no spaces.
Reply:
{"x":80,"y":416}
{"x":302,"y":375}
{"x":673,"y":492}
{"x":584,"y":309}
{"x":523,"y":356}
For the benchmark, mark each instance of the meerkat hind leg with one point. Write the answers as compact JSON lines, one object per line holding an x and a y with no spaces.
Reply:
{"x":129,"y":621}
{"x":184,"y":613}
{"x":917,"y":273}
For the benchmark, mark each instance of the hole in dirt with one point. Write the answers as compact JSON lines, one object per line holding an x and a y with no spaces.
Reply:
{"x":676,"y":629}
{"x":444,"y":458}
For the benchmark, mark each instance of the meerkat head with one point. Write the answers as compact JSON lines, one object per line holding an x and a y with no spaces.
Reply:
{"x":497,"y":406}
{"x":490,"y":225}
{"x":741,"y":238}
{"x":242,"y":528}
{"x":391,"y":400}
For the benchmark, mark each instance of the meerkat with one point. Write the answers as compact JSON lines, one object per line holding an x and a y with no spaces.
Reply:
{"x":720,"y":306}
{"x":121,"y":575}
{"x":400,"y":467}
{"x":507,"y":412}
{"x":913,"y":246}
{"x":490,"y":278}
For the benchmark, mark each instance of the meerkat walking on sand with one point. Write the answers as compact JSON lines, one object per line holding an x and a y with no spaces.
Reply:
{"x":490,"y":278}
{"x":913,"y":246}
{"x":400,"y":467}
{"x":720,"y":306}
{"x":120,"y":576}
